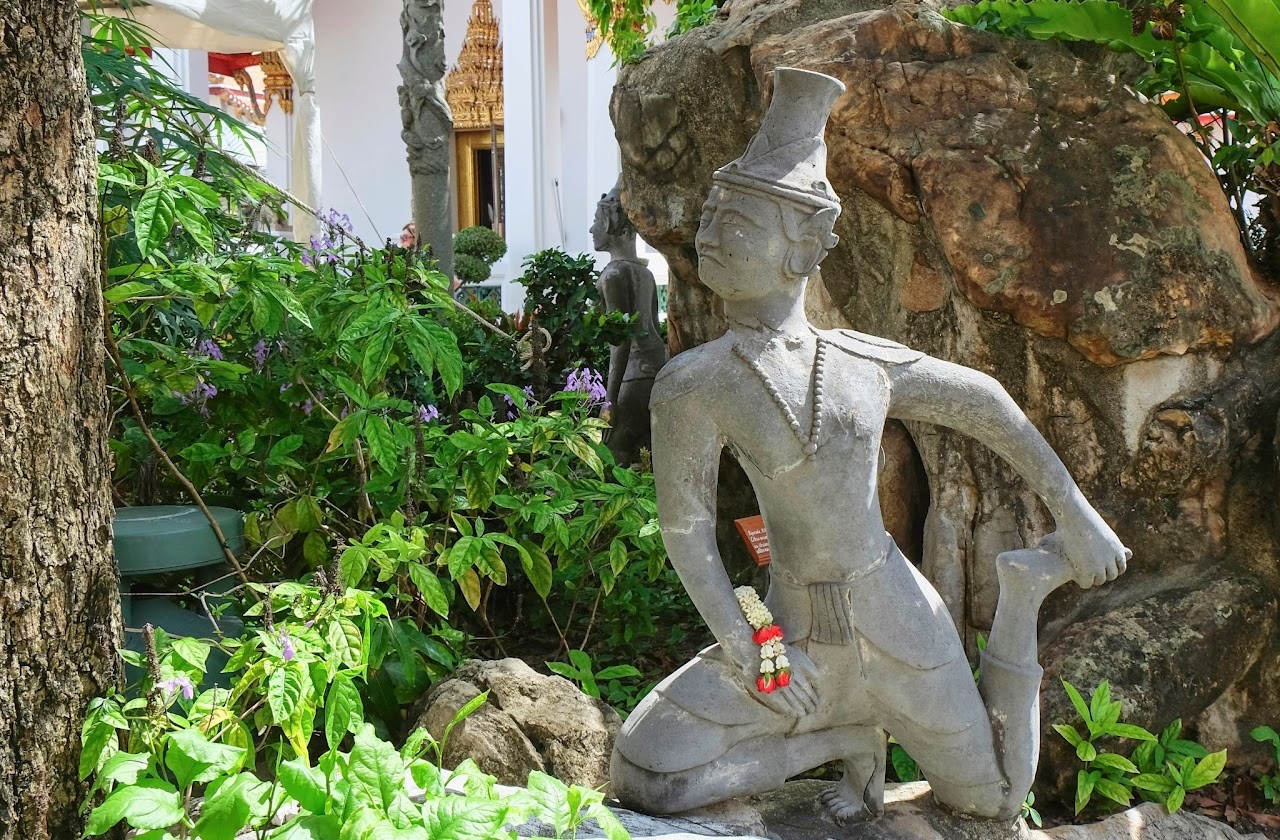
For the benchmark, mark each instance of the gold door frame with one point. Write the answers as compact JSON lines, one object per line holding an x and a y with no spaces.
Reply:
{"x":466,"y":143}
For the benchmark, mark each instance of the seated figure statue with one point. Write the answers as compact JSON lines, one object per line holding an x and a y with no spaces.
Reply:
{"x":868,"y":645}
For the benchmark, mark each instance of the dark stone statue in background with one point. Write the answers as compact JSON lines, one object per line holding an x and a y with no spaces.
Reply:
{"x":627,"y":285}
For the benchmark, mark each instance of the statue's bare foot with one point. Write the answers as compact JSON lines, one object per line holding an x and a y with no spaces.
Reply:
{"x":845,"y":800}
{"x":1028,"y":575}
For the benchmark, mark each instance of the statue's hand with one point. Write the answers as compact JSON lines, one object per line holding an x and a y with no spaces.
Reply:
{"x":800,"y":697}
{"x":1094,"y":551}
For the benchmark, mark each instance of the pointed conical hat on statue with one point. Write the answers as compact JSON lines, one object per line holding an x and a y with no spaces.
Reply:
{"x":788,"y":157}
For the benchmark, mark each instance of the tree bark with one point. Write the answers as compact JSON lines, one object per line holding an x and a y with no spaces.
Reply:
{"x":59,"y":607}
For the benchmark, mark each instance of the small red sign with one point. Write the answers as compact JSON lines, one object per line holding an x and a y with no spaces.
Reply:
{"x":757,"y":539}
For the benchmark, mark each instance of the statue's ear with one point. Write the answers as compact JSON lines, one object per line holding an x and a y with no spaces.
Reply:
{"x":820,"y":225}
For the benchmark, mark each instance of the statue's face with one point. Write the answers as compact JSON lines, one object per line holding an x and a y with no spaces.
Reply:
{"x":742,"y":246}
{"x":600,"y":228}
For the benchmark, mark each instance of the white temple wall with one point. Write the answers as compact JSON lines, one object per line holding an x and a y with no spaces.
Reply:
{"x":357,"y":49}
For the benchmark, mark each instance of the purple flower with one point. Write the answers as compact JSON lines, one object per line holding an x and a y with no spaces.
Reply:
{"x":284,"y":386}
{"x":207,"y":347}
{"x":306,"y":406}
{"x":199,"y":396}
{"x":181,"y":683}
{"x":427,"y":413}
{"x":260,"y":353}
{"x":286,"y":644}
{"x":587,"y":381}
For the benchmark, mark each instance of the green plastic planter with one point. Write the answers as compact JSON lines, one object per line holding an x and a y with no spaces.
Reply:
{"x":160,"y":539}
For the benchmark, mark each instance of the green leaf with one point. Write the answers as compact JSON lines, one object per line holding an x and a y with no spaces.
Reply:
{"x":586,"y":452}
{"x":287,"y":299}
{"x":904,"y":765}
{"x":285,"y":688}
{"x":1114,"y":791}
{"x":377,"y":356}
{"x":153,"y":218}
{"x":1266,"y":733}
{"x":617,"y":556}
{"x":284,"y":446}
{"x":199,"y":452}
{"x":191,"y":652}
{"x":462,"y":818}
{"x":375,"y":768}
{"x":123,"y":767}
{"x":1085,"y":751}
{"x":1084,"y":789}
{"x":195,"y":223}
{"x":1128,"y":730}
{"x":129,"y":290}
{"x":1176,"y":797}
{"x":1069,"y":733}
{"x":1154,"y":782}
{"x":193,"y":758}
{"x":382,"y":444}
{"x":368,"y":323}
{"x":1112,"y":761}
{"x":1100,"y":702}
{"x":226,"y":809}
{"x":346,"y":644}
{"x":537,"y":567}
{"x":354,"y":564}
{"x":151,"y":803}
{"x":343,"y":710}
{"x":305,"y":784}
{"x":1207,"y":770}
{"x":310,"y":827}
{"x":1081,"y":707}
{"x":430,"y":588}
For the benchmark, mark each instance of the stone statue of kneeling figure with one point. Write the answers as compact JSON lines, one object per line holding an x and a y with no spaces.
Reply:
{"x":868,"y":646}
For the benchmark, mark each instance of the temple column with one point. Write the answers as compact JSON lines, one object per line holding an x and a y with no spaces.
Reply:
{"x":527,"y":185}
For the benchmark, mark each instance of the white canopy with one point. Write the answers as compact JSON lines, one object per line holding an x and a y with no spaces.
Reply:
{"x":234,"y":26}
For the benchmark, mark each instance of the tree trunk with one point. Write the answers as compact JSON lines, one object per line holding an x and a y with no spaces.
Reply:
{"x":59,"y":609}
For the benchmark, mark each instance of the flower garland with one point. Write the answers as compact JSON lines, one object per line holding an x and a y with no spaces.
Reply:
{"x":775,"y":668}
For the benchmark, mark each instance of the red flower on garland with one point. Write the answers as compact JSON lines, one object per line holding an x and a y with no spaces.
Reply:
{"x":767,"y":685}
{"x":766,"y":634}
{"x":784,"y":679}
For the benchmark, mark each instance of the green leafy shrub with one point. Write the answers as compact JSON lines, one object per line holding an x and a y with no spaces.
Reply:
{"x":1270,"y":782}
{"x":369,"y":790}
{"x":561,"y":298}
{"x":1163,"y":769}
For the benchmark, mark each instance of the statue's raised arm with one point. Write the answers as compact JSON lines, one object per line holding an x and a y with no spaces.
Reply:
{"x":946,"y":394}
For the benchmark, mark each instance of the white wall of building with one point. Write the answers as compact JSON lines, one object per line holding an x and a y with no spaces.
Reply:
{"x":560,"y":150}
{"x":357,"y":50}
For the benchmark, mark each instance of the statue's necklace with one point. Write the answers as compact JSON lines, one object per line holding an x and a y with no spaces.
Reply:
{"x":809,"y":441}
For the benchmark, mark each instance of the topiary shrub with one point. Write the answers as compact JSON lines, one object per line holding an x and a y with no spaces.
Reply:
{"x":475,"y":250}
{"x":470,"y":269}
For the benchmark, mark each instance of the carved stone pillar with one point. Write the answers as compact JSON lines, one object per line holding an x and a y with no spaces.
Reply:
{"x":427,"y":122}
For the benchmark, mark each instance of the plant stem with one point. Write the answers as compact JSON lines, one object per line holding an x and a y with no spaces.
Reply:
{"x":192,"y":492}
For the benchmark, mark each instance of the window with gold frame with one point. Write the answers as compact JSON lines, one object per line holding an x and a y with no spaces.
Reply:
{"x":481,"y":178}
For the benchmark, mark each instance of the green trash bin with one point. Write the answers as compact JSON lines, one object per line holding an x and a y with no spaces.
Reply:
{"x":153,"y":540}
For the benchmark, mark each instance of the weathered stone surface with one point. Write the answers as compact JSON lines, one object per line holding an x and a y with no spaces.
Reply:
{"x":1167,"y":656}
{"x":1116,"y":306}
{"x":530,"y":722}
{"x":796,"y":813}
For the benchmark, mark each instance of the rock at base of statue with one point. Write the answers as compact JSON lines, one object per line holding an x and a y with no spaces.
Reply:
{"x":530,"y":722}
{"x":795,"y":812}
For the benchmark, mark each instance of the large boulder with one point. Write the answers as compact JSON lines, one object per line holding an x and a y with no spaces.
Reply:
{"x":1013,"y":206}
{"x":529,"y":722}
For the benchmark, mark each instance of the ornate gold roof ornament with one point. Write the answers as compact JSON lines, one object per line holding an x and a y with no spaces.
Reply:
{"x":473,"y":87}
{"x":277,"y":82}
